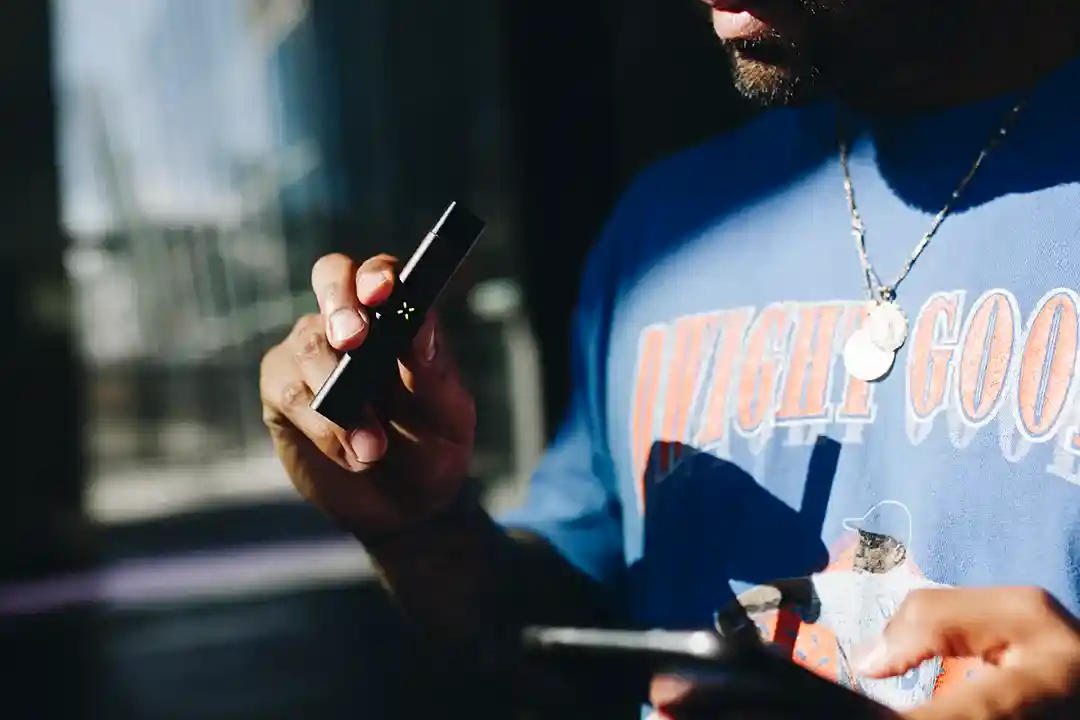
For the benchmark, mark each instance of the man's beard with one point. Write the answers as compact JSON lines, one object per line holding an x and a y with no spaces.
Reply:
{"x":841,"y":46}
{"x":771,"y":71}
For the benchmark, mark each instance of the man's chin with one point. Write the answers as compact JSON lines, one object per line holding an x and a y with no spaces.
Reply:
{"x":769,"y":84}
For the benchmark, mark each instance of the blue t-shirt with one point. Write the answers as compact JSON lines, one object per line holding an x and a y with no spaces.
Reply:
{"x":716,"y":443}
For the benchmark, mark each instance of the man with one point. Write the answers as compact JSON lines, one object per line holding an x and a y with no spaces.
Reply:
{"x":749,"y":375}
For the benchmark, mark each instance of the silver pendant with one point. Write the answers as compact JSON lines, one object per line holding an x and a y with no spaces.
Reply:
{"x":864,"y":359}
{"x":887,"y":325}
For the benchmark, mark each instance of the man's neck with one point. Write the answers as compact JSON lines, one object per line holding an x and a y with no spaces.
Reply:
{"x":981,"y":63}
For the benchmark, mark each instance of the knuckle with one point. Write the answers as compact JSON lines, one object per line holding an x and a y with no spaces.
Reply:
{"x":270,"y":416}
{"x":1035,"y":597}
{"x":307,"y":324}
{"x":273,"y":419}
{"x":294,"y":395}
{"x":1034,"y":602}
{"x":312,"y":345}
{"x":271,"y":368}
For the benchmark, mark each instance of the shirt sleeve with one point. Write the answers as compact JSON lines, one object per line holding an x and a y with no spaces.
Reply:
{"x":573,"y":499}
{"x":571,"y":505}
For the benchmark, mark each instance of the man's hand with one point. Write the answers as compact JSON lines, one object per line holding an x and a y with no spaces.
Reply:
{"x":396,"y":481}
{"x":1029,"y":642}
{"x":408,"y":461}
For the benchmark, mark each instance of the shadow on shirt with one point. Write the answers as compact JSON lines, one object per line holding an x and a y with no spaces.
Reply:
{"x":709,"y":524}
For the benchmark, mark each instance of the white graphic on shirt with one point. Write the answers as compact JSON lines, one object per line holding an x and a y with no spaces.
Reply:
{"x":856,"y":604}
{"x":838,"y":610}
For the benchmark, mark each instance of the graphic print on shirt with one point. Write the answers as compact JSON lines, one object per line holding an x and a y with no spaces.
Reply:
{"x":821,"y":619}
{"x":757,"y":376}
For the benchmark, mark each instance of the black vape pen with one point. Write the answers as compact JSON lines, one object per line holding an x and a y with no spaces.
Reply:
{"x":360,"y":374}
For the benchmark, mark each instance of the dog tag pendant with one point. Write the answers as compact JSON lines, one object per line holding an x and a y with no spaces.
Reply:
{"x":864,"y":359}
{"x":887,"y":325}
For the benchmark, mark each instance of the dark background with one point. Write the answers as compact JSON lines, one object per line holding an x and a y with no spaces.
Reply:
{"x":535,"y":114}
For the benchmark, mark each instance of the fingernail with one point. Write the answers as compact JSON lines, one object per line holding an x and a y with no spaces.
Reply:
{"x":370,"y":283}
{"x":345,"y":324}
{"x":871,"y":658}
{"x":368,"y":445}
{"x":430,"y":347}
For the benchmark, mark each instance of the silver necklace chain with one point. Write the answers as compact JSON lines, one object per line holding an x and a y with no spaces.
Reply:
{"x":877,"y":290}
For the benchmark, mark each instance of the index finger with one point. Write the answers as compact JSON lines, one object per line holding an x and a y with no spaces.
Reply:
{"x":959,"y":622}
{"x":286,"y":400}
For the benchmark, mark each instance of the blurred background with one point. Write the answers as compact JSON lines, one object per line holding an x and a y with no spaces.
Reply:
{"x":171,"y":170}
